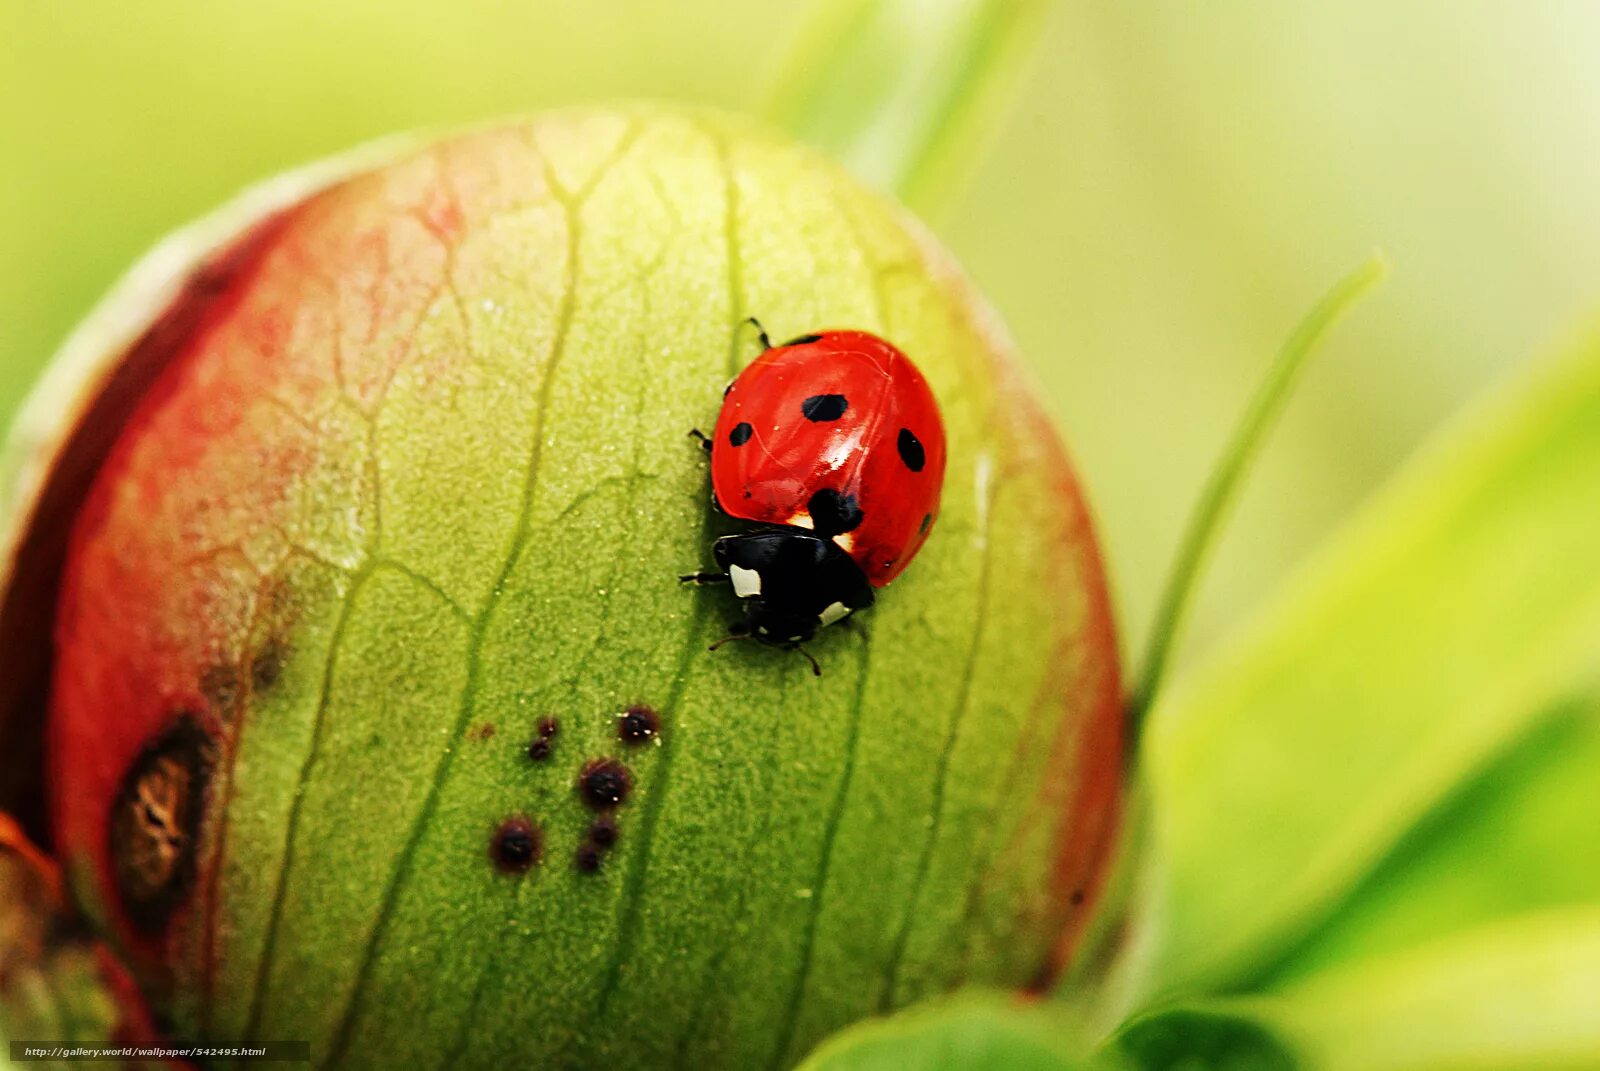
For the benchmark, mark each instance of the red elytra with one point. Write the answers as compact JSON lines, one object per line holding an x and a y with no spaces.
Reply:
{"x":844,"y":411}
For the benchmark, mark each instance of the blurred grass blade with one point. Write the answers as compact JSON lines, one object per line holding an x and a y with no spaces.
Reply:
{"x":1429,"y":637}
{"x":971,"y":1032}
{"x":1515,"y":996}
{"x":906,"y":91}
{"x":1216,"y":500}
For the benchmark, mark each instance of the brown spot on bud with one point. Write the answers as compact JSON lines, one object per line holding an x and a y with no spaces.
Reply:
{"x":638,"y":724}
{"x":588,"y":858}
{"x":220,"y":684}
{"x":544,"y":743}
{"x":604,"y":783}
{"x":155,"y":822}
{"x":267,"y":665}
{"x":603,"y":831}
{"x":481,"y":732}
{"x":516,"y":845}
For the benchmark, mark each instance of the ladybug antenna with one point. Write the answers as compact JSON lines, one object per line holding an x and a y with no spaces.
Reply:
{"x":761,"y":332}
{"x":816,"y":670}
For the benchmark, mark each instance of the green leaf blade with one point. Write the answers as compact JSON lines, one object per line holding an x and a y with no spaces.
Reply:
{"x":1516,"y":995}
{"x":1426,"y":640}
{"x":974,"y":1031}
{"x":1508,"y":842}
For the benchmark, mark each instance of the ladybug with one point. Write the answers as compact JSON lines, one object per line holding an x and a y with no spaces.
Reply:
{"x":833,"y":445}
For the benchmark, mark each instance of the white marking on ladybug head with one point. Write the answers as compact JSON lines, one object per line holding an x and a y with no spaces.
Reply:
{"x":800,"y":519}
{"x":833,"y":613}
{"x":846,"y":541}
{"x":746,"y":582}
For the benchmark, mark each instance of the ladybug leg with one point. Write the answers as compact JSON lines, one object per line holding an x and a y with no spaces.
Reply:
{"x":761,"y":332}
{"x":703,"y":578}
{"x":816,"y":670}
{"x":705,"y":440}
{"x":739,"y":630}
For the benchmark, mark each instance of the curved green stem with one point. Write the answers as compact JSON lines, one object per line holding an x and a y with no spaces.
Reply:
{"x":905,"y":91}
{"x":1221,"y":489}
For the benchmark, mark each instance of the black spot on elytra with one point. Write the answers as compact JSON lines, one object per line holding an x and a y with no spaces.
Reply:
{"x":155,"y":821}
{"x":911,"y":451}
{"x":927,"y":519}
{"x":822,"y":408}
{"x":740,"y":434}
{"x":604,"y":783}
{"x":588,"y":857}
{"x":638,"y":724}
{"x":833,"y":513}
{"x":516,"y":845}
{"x":603,"y":832}
{"x":803,"y":340}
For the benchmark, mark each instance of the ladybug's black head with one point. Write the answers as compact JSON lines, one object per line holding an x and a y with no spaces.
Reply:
{"x":779,"y":626}
{"x":792,"y":583}
{"x":789,"y":632}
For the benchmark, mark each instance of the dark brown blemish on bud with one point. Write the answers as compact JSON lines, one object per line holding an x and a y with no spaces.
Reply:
{"x":155,"y":822}
{"x":1077,"y":897}
{"x":481,"y":732}
{"x":281,"y":601}
{"x":603,"y":832}
{"x":588,"y":857}
{"x":267,"y":665}
{"x":220,"y":684}
{"x":516,"y":845}
{"x":638,"y":724}
{"x":544,"y":743}
{"x":604,"y":783}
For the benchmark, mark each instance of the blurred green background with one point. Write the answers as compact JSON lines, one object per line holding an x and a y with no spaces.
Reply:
{"x":1178,"y":183}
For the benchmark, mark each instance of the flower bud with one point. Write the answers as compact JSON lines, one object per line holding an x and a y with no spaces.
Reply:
{"x":378,"y":490}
